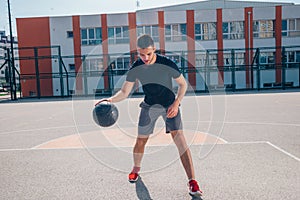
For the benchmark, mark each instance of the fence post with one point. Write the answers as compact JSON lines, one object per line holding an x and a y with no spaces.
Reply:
{"x":84,"y":73}
{"x":258,"y":69}
{"x":9,"y":74}
{"x":233,"y":70}
{"x":283,"y":66}
{"x":182,"y":62}
{"x":62,"y":89}
{"x":37,"y":72}
{"x":207,"y":72}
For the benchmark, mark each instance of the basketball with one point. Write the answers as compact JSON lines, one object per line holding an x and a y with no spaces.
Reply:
{"x":105,"y":114}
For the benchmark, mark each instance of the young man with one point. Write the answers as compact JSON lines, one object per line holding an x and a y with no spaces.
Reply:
{"x":155,"y":72}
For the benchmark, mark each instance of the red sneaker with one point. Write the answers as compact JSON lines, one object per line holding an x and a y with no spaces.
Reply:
{"x":133,"y":177}
{"x":194,"y":188}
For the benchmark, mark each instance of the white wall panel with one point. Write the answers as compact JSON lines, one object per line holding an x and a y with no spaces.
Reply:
{"x":90,"y":21}
{"x":292,"y":75}
{"x":58,"y":36}
{"x":93,"y":49}
{"x":290,"y":12}
{"x":176,"y":46}
{"x":205,"y":16}
{"x":290,"y":41}
{"x":264,"y":13}
{"x":146,"y":18}
{"x":120,"y":48}
{"x":204,"y":45}
{"x":230,"y":15}
{"x":259,"y":42}
{"x":234,"y":44}
{"x":117,"y":19}
{"x":178,"y":17}
{"x":240,"y":79}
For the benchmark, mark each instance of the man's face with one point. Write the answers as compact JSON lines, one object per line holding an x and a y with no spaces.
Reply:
{"x":147,"y":55}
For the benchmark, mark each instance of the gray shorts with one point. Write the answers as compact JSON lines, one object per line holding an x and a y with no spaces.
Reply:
{"x":150,"y":114}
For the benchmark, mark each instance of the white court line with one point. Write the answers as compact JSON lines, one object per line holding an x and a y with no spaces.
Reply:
{"x":37,"y":129}
{"x":228,"y":143}
{"x":283,"y":151}
{"x":266,"y":142}
{"x":41,"y":129}
{"x":255,"y":123}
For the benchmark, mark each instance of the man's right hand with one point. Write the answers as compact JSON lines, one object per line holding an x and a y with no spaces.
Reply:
{"x":102,"y":100}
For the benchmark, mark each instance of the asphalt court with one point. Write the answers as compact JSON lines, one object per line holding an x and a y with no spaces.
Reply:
{"x":244,"y":146}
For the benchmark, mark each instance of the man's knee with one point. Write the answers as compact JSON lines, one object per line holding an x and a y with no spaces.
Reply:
{"x":141,"y":141}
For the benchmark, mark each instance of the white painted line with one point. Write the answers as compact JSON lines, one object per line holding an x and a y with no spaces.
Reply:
{"x":269,"y":143}
{"x":255,"y":123}
{"x":30,"y":149}
{"x":283,"y":151}
{"x":38,"y":129}
{"x":226,"y":143}
{"x":264,"y":123}
{"x":250,"y":142}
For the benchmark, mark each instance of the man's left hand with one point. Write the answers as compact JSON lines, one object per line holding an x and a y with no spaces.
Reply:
{"x":173,"y":109}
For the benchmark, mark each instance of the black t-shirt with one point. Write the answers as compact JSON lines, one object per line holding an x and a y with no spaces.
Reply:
{"x":156,"y":79}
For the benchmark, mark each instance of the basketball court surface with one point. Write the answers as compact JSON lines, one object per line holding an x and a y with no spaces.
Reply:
{"x":244,"y":146}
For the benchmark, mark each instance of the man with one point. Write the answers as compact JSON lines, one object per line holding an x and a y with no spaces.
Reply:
{"x":155,"y":72}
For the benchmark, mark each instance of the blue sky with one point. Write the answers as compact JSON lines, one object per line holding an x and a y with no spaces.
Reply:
{"x":35,"y":8}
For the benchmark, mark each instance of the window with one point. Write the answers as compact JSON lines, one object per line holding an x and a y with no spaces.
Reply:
{"x":267,"y":60}
{"x":150,"y":30}
{"x":284,"y":30}
{"x":293,"y":58}
{"x":206,"y":60}
{"x":70,"y":34}
{"x":118,"y":35}
{"x":91,"y":36}
{"x":175,"y":32}
{"x":94,"y":64}
{"x":120,"y":63}
{"x":291,"y":27}
{"x":201,"y":60}
{"x":238,"y":59}
{"x":71,"y":67}
{"x":205,"y":31}
{"x":233,"y":30}
{"x":263,"y":29}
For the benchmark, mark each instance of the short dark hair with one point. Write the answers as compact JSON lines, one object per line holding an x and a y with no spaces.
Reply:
{"x":145,"y":41}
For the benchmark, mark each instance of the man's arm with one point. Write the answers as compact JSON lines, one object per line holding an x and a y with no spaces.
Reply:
{"x":121,"y":94}
{"x":181,"y":89}
{"x":173,"y":109}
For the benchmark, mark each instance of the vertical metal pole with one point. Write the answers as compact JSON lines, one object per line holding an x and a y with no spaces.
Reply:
{"x":110,"y":76}
{"x":85,"y":82}
{"x":13,"y":88}
{"x":258,"y":69}
{"x":182,"y":63}
{"x":207,"y":74}
{"x":283,"y":66}
{"x":9,"y":74}
{"x":37,"y":72}
{"x":233,"y":70}
{"x":249,"y":49}
{"x":62,"y":89}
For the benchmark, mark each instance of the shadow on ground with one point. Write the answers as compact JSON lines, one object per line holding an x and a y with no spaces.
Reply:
{"x":142,"y":191}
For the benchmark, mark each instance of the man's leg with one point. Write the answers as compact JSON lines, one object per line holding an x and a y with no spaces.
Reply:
{"x":138,"y":150}
{"x":187,"y":162}
{"x":184,"y":152}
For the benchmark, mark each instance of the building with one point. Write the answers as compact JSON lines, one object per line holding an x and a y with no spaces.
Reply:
{"x":4,"y":45}
{"x":211,"y":34}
